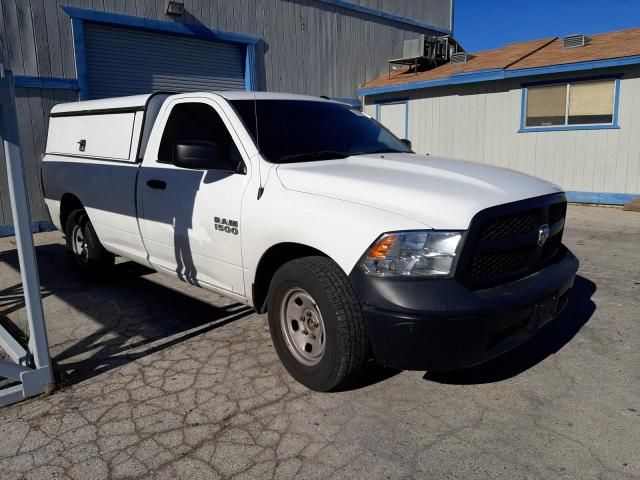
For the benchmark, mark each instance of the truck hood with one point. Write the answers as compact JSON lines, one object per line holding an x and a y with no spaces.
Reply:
{"x":438,"y":192}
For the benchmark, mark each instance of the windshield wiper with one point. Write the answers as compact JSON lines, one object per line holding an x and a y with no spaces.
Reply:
{"x":322,"y":155}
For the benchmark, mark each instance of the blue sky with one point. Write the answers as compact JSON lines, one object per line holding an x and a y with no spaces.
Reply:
{"x":486,"y":24}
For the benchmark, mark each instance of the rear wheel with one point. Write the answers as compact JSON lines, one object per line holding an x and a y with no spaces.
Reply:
{"x":316,"y":323}
{"x":84,"y":246}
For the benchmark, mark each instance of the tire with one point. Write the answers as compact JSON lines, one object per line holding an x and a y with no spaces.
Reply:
{"x":92,"y":258}
{"x":313,"y":295}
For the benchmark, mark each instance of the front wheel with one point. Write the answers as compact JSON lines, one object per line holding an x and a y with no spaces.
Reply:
{"x":316,"y":323}
{"x":84,"y":246}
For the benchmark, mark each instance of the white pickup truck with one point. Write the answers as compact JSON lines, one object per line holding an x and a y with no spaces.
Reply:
{"x":313,"y":212}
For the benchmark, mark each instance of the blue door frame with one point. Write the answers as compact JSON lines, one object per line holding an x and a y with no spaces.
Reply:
{"x":80,"y":16}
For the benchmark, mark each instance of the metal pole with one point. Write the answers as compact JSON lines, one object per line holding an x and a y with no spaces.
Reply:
{"x":38,"y":341}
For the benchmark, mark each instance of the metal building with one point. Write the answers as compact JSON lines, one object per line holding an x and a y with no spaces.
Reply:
{"x":64,"y":50}
{"x":563,"y":109}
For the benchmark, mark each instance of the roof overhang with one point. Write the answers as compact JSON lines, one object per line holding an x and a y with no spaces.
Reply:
{"x":501,"y":74}
{"x":356,"y":7}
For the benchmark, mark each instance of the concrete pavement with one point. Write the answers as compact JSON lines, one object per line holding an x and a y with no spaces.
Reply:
{"x":163,"y":380}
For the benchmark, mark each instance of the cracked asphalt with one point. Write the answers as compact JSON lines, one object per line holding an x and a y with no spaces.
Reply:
{"x":163,"y":380}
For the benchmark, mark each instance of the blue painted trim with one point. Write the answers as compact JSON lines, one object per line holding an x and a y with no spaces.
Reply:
{"x":158,"y":25}
{"x":81,"y":63}
{"x":455,"y":79}
{"x":523,"y":107}
{"x":399,"y":101}
{"x":616,"y":103}
{"x":572,"y":80}
{"x":37,"y":226}
{"x":575,"y":67}
{"x":250,"y":69}
{"x":559,"y":128}
{"x":501,"y":74}
{"x":387,"y":16}
{"x":603,"y":198}
{"x":23,"y":81}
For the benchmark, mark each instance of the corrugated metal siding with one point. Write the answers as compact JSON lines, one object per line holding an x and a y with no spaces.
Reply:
{"x":308,"y":47}
{"x":33,"y":105}
{"x":124,"y":61}
{"x":480,"y":123}
{"x":432,"y":12}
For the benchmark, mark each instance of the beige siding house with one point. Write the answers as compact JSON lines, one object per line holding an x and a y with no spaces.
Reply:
{"x":568,"y":115}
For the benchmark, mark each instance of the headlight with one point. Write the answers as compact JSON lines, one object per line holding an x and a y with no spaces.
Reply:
{"x":412,"y":254}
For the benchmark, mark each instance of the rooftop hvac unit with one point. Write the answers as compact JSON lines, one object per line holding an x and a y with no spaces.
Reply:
{"x":573,"y":41}
{"x":459,"y":58}
{"x":437,"y":49}
{"x":425,"y":52}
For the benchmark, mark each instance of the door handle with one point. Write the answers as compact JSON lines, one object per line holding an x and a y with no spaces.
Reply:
{"x":157,"y":184}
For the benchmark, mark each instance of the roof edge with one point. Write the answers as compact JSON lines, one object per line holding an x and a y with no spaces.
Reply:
{"x":493,"y":74}
{"x":387,"y":16}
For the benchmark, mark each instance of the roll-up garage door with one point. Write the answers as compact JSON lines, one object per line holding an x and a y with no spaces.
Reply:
{"x":124,"y":61}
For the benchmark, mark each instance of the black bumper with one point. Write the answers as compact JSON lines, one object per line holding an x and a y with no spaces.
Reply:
{"x":439,"y":324}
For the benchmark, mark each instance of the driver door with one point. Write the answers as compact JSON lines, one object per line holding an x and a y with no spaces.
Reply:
{"x":190,"y":219}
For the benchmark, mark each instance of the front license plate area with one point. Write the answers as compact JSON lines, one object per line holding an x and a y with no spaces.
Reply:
{"x":543,"y":311}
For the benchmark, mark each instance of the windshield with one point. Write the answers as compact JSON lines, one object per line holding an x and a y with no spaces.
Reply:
{"x":304,"y":130}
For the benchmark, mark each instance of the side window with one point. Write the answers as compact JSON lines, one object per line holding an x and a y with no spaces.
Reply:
{"x":195,"y":121}
{"x":571,"y":103}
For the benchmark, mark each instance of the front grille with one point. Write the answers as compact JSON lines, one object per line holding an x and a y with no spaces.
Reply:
{"x":492,"y":264}
{"x":509,"y":226}
{"x":502,"y":242}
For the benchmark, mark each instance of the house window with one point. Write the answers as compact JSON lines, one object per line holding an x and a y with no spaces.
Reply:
{"x":568,"y":105}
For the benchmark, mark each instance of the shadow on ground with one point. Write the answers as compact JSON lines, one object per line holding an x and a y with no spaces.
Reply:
{"x":135,"y":315}
{"x":549,"y":340}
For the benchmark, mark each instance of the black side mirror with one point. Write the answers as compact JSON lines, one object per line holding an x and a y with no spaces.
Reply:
{"x":407,"y":142}
{"x":201,"y":155}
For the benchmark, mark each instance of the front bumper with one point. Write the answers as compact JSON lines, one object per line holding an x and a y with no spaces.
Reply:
{"x":439,"y":324}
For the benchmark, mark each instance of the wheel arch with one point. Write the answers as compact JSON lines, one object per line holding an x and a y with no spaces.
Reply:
{"x":270,"y":261}
{"x":68,"y":203}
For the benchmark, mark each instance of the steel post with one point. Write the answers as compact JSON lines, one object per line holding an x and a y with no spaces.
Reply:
{"x":38,"y":341}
